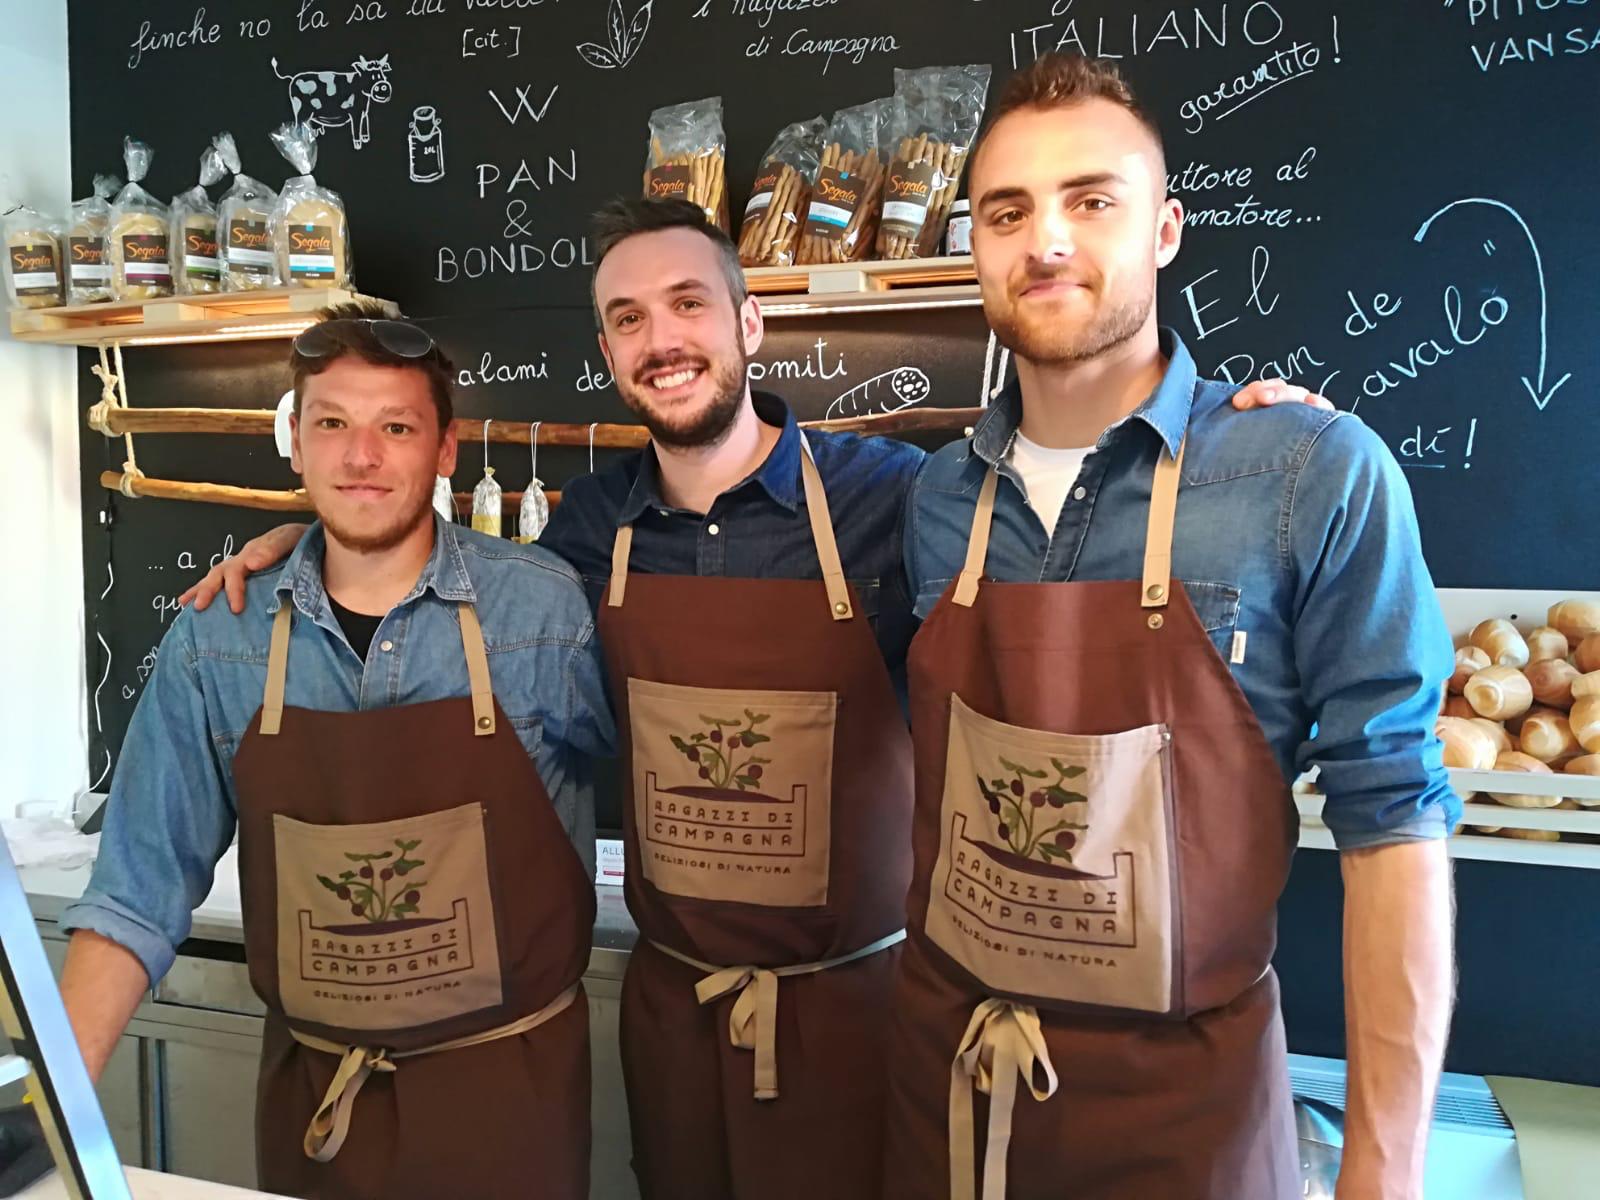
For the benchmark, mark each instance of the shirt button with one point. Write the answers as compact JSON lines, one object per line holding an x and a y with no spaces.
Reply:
{"x":386,"y":645}
{"x":713,"y":530}
{"x":1079,"y":493}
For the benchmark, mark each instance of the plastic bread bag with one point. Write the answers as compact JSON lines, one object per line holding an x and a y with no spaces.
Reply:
{"x":88,"y":268}
{"x":137,"y":238}
{"x":841,"y":222}
{"x":687,"y":157}
{"x":244,"y":227}
{"x":778,"y":198}
{"x":196,"y":263}
{"x":33,"y":266}
{"x":310,"y":234}
{"x":936,"y":116}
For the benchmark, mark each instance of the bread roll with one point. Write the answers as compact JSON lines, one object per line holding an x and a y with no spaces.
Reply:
{"x":1465,"y":745}
{"x":1551,"y":681}
{"x":1587,"y":655}
{"x":1586,"y":723}
{"x":1586,"y":685}
{"x":1548,"y":737}
{"x":1499,"y":639}
{"x":1499,"y":692}
{"x":1577,"y":619}
{"x":1547,"y":642}
{"x":1502,"y":739}
{"x":1469,"y":661}
{"x":1457,"y":706}
{"x":1512,"y":760}
{"x":1584,"y":764}
{"x":1532,"y":835}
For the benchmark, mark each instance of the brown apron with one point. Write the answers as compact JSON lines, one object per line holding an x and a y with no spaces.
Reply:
{"x":1101,"y":836}
{"x":768,"y":803}
{"x":417,"y":923}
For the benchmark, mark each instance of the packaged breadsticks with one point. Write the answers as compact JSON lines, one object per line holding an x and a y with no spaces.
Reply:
{"x":687,"y":155}
{"x":842,"y":217}
{"x":778,"y":198}
{"x":937,"y":111}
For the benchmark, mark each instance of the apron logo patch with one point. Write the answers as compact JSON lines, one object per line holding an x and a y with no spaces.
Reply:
{"x":727,"y":811}
{"x":389,"y":942}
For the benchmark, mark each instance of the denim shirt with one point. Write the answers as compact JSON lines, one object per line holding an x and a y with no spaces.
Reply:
{"x":1294,"y":528}
{"x":173,"y":806}
{"x":759,"y":528}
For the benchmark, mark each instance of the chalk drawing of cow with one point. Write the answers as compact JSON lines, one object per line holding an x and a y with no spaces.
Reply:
{"x":335,"y":98}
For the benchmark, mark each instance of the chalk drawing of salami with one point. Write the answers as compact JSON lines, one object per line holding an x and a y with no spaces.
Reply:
{"x":886,"y":393}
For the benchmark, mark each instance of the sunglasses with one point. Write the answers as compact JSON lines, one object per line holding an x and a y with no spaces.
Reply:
{"x":400,"y":338}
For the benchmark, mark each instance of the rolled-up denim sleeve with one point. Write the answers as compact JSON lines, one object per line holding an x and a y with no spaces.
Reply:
{"x":168,"y":820}
{"x":1370,"y":643}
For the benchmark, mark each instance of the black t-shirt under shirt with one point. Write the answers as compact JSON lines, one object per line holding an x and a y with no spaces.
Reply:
{"x":359,"y":628}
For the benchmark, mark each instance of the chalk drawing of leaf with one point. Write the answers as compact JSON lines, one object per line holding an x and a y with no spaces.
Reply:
{"x":639,"y":27}
{"x":597,"y":56}
{"x":617,"y":29}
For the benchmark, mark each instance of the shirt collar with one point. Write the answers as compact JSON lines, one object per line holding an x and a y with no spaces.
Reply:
{"x":445,"y":573}
{"x":1166,"y":411}
{"x":779,"y":475}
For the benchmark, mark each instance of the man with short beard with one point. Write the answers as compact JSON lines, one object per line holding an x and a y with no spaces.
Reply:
{"x":415,"y":823}
{"x":754,"y":615}
{"x":1143,"y":617}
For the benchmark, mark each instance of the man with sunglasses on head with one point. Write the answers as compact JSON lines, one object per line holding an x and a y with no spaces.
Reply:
{"x":398,"y":726}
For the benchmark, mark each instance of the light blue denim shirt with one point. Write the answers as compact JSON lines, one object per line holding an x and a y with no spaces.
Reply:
{"x":1294,"y":527}
{"x":172,"y":810}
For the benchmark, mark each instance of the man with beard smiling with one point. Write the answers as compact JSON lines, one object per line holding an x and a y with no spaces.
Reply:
{"x":415,"y":824}
{"x":1143,"y":617}
{"x":754,"y":615}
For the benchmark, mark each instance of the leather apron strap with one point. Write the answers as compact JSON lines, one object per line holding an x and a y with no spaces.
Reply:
{"x":483,"y":720}
{"x":277,"y":670}
{"x":1156,"y":587}
{"x":753,"y":1022}
{"x":330,"y":1125}
{"x":1003,"y":1041}
{"x":833,"y":579}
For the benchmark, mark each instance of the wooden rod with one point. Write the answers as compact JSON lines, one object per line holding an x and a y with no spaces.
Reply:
{"x":259,"y":421}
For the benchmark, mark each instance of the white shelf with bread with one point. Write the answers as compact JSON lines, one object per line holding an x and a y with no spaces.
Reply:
{"x":1520,"y":723}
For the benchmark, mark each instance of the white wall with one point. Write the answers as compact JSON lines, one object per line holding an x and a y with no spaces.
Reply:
{"x":43,"y":740}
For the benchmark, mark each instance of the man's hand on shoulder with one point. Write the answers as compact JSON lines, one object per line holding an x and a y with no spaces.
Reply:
{"x":1264,"y":393}
{"x":258,"y":554}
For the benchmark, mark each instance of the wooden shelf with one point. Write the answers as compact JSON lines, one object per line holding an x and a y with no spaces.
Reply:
{"x":270,"y":313}
{"x":929,"y":282}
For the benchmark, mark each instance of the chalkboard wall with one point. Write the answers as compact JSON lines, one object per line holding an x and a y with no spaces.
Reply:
{"x":1386,"y":202}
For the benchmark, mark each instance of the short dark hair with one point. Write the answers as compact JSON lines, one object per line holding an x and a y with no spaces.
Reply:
{"x":359,"y":341}
{"x":624,"y":218}
{"x":1060,"y":79}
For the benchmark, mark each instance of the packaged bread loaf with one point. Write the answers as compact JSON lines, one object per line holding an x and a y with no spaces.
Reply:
{"x":196,"y":261}
{"x":847,"y":196}
{"x":33,"y":270}
{"x":936,"y":114}
{"x":244,"y":229}
{"x":138,"y":239}
{"x":687,"y":156}
{"x":309,"y":232}
{"x":88,"y":265}
{"x":778,"y":198}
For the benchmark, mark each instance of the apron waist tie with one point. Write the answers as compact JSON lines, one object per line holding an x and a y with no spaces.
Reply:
{"x":1003,"y":1041}
{"x":331,"y":1122}
{"x":753,"y":1023}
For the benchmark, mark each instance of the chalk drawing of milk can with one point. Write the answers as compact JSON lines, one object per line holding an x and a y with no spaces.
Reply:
{"x":425,"y":143}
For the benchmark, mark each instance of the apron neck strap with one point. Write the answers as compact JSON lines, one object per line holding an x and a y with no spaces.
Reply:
{"x":483,"y":720}
{"x":1157,"y":588}
{"x":277,"y":671}
{"x":833,"y":579}
{"x":1157,"y":585}
{"x":477,"y":672}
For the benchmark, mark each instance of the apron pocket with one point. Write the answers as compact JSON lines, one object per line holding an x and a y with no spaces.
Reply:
{"x":388,"y":925}
{"x":1055,"y":879}
{"x":732,"y":792}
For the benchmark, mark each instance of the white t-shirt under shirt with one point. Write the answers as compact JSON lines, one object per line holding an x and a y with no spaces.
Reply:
{"x":1047,"y":475}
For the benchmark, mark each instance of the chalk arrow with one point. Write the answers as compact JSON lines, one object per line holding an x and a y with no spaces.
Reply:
{"x":1536,"y":388}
